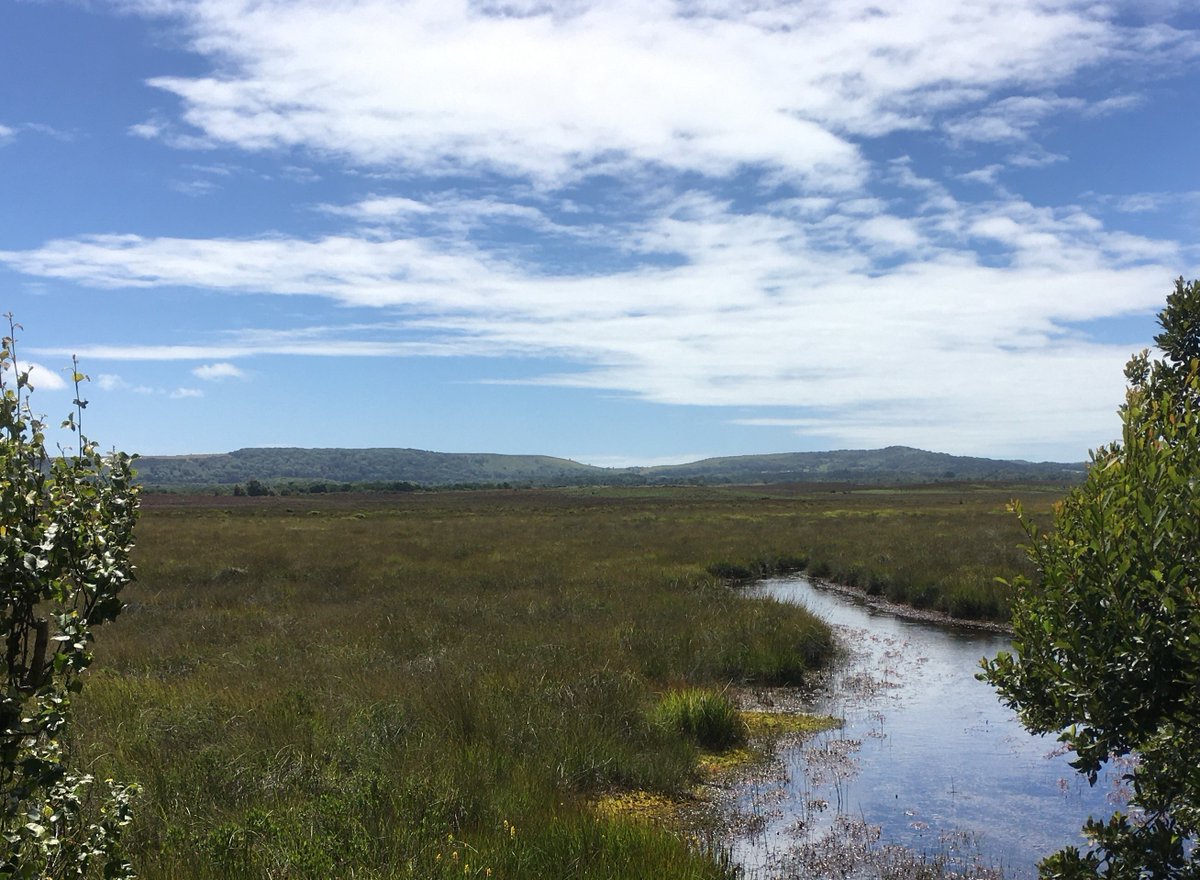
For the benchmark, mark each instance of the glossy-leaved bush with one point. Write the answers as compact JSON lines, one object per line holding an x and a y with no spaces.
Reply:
{"x":1106,"y":646}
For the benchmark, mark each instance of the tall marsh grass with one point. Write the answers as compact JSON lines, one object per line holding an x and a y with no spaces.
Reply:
{"x":366,"y":686}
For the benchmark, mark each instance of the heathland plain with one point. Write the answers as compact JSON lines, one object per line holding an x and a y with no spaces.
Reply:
{"x":448,"y":684}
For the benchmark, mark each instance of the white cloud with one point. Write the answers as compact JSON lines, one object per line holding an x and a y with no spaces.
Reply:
{"x":299,"y":174}
{"x":452,"y":214}
{"x":1016,"y":120}
{"x":184,"y":393}
{"x":216,"y":169}
{"x":1150,"y":202}
{"x":1011,"y":119}
{"x":8,"y":133}
{"x":49,"y":131}
{"x":988,"y":174}
{"x":895,"y":232}
{"x":195,"y":187}
{"x":148,"y":130}
{"x":379,"y":208}
{"x":864,"y":311}
{"x":334,"y":342}
{"x":1112,"y":104}
{"x":217,"y":372}
{"x":1137,"y":203}
{"x":1035,"y":156}
{"x":158,"y":129}
{"x":116,"y":382}
{"x":781,"y":310}
{"x":441,"y":86}
{"x":448,"y":85}
{"x":40,"y":378}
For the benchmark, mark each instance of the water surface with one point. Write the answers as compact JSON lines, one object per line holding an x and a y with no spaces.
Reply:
{"x":928,"y":755}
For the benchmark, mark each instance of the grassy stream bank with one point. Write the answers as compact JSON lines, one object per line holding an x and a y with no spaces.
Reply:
{"x":437,"y":685}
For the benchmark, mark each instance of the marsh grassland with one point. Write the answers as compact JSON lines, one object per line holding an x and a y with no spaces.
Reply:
{"x":447,"y":684}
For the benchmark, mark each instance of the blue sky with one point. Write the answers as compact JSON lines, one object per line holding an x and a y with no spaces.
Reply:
{"x":621,"y":232}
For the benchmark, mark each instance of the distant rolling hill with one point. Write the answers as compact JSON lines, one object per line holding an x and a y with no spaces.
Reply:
{"x":893,"y":464}
{"x":415,"y":467}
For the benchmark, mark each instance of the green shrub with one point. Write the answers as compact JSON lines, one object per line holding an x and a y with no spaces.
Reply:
{"x":66,"y":529}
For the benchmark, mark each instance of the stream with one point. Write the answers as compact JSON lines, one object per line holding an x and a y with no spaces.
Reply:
{"x":929,"y":764}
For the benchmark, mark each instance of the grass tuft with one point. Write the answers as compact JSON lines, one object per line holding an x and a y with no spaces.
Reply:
{"x":705,"y":717}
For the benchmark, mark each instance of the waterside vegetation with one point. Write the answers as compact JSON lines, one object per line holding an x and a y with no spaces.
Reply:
{"x":446,"y":684}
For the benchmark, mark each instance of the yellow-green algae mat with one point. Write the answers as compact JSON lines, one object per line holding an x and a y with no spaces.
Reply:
{"x":763,"y":730}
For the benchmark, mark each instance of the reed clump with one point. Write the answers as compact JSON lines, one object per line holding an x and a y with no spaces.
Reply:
{"x":706,"y":717}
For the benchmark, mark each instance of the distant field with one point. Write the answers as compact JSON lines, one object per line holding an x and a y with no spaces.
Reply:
{"x":388,"y":686}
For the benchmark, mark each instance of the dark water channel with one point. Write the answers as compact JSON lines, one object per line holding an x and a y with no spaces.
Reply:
{"x":928,"y":756}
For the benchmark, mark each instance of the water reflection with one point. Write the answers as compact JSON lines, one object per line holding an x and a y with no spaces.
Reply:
{"x":928,"y":758}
